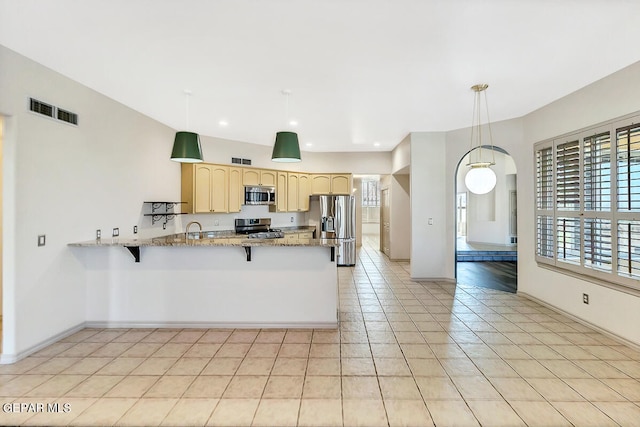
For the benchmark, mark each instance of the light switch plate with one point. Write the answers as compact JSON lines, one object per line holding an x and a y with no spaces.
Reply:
{"x":116,"y":232}
{"x":135,"y":229}
{"x":42,"y":240}
{"x":98,"y":234}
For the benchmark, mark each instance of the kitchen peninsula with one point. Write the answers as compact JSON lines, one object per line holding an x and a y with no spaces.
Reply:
{"x":221,"y":280}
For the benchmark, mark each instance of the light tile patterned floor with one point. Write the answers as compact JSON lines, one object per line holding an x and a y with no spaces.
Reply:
{"x":406,"y":354}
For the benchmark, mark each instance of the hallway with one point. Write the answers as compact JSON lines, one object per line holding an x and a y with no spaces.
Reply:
{"x":406,"y":353}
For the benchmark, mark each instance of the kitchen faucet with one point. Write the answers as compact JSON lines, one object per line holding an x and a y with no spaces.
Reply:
{"x":186,"y":231}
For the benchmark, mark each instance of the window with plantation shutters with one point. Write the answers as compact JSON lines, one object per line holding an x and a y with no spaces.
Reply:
{"x":628,"y":168}
{"x":629,"y":248}
{"x":544,"y":178}
{"x":587,"y":207}
{"x":568,"y":240}
{"x":544,"y":246}
{"x":597,"y":244}
{"x":597,"y":172}
{"x":568,"y":176}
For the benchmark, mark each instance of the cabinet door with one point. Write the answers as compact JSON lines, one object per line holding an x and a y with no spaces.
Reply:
{"x":292,"y":192}
{"x":268,"y":178}
{"x":220,"y":188}
{"x":281,"y":192}
{"x":251,"y":177}
{"x":340,"y":184}
{"x":304,"y":190}
{"x":202,"y":188}
{"x":236,"y":189}
{"x":320,"y":184}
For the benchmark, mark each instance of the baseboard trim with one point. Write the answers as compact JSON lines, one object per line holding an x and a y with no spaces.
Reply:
{"x":221,"y":325}
{"x":608,"y":333}
{"x":13,"y":358}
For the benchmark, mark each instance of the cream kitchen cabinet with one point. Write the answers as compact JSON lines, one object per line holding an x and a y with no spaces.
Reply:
{"x":263,"y":177}
{"x":205,"y":188}
{"x":236,"y":189}
{"x":281,"y":193}
{"x":297,"y":192}
{"x":331,"y":184}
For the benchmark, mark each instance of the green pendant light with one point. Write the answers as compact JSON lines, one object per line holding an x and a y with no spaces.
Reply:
{"x":186,"y":148}
{"x":186,"y":145}
{"x":286,"y":149}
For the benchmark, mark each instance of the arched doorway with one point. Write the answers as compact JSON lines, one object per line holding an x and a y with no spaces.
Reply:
{"x":486,"y":230}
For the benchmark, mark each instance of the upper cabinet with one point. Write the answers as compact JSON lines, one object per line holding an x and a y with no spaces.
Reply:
{"x":263,"y":177}
{"x":205,"y":188}
{"x":211,"y":188}
{"x":236,"y":189}
{"x":281,"y":192}
{"x":330,"y":183}
{"x":298,"y":192}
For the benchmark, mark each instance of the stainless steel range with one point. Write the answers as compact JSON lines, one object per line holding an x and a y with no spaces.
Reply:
{"x":257,"y":228}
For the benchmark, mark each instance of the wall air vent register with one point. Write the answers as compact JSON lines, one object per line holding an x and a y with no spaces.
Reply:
{"x":52,"y":111}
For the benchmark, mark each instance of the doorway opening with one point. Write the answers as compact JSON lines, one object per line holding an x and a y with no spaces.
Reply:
{"x":486,"y":232}
{"x":370,"y":209}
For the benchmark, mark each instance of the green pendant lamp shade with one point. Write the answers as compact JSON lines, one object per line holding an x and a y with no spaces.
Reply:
{"x":286,"y":149}
{"x":186,"y":148}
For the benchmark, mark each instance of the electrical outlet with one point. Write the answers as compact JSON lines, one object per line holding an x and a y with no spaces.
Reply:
{"x":42,"y":239}
{"x":291,"y":219}
{"x":98,"y":234}
{"x":216,"y":222}
{"x":135,"y":229}
{"x":585,"y":298}
{"x":116,"y":232}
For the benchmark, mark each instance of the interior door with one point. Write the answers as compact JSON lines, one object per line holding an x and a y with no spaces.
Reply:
{"x":385,"y":216}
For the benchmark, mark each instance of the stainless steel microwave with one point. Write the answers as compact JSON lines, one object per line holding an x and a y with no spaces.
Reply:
{"x":259,"y":195}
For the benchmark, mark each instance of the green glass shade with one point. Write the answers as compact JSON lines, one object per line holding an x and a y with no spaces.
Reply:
{"x":286,"y":148}
{"x":186,"y":148}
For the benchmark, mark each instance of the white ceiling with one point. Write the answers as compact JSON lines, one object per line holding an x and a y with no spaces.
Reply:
{"x":360,"y":71}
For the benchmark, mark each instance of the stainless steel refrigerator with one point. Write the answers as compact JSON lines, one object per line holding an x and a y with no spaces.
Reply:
{"x":338,"y":221}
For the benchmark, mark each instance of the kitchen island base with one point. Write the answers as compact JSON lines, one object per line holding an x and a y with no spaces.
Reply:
{"x":211,"y":287}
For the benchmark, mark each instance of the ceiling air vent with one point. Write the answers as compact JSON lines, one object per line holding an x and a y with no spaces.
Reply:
{"x":67,"y":116}
{"x":41,"y":107}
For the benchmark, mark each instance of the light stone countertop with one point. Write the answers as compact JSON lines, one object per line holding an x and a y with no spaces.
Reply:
{"x":218,"y":238}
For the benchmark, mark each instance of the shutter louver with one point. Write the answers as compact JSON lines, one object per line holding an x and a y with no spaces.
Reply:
{"x":629,"y":249}
{"x":597,"y":172}
{"x":568,"y":238}
{"x":568,"y":176}
{"x":544,"y":178}
{"x":628,"y":168}
{"x":597,"y":244}
{"x":544,"y":243}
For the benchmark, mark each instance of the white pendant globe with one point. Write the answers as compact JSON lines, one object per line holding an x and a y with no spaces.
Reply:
{"x":480,"y":180}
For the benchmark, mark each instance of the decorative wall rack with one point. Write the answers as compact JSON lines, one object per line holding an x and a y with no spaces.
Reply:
{"x":163,"y":211}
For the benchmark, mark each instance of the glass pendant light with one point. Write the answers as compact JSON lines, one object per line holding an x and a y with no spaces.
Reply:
{"x":480,"y":179}
{"x":286,"y":148}
{"x":186,"y":145}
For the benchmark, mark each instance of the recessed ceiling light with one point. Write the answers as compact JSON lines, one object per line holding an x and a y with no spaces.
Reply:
{"x":223,"y":123}
{"x":309,"y":144}
{"x":293,"y":123}
{"x":376,"y":144}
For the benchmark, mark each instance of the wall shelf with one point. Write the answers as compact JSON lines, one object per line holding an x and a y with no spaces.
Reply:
{"x":163,"y":211}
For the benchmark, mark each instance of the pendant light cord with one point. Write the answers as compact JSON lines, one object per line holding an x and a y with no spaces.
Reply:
{"x":476,"y":126}
{"x":187,"y":94}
